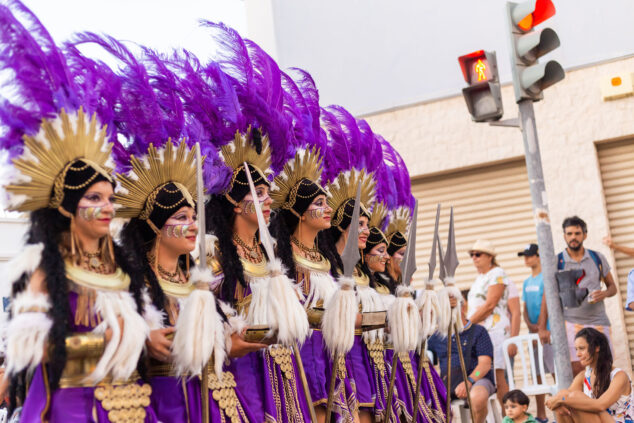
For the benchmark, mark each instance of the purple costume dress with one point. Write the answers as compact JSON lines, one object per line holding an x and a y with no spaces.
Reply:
{"x":76,"y":401}
{"x":178,"y":399}
{"x":317,"y":362}
{"x":269,"y":379}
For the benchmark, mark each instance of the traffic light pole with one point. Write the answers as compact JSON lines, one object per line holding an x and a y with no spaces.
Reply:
{"x":545,"y":241}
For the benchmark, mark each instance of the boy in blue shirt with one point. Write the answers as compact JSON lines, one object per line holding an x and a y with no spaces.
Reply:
{"x":533,"y":296}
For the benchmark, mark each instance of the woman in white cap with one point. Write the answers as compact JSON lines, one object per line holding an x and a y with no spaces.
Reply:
{"x":488,"y":298}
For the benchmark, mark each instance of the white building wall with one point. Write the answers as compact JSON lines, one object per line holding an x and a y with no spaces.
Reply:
{"x":570,"y":121}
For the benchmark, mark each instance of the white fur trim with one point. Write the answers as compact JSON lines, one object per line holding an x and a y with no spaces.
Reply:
{"x":257,"y":313}
{"x":25,"y":262}
{"x":122,"y":352}
{"x":286,"y":311}
{"x":404,"y":322}
{"x":154,"y":317}
{"x":429,"y":308}
{"x":27,"y":332}
{"x":197,"y":274}
{"x":322,"y":287}
{"x":339,"y":318}
{"x":448,"y":315}
{"x":370,"y":301}
{"x":234,"y":324}
{"x":198,"y":334}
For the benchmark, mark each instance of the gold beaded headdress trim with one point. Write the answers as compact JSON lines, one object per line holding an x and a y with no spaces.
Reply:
{"x":50,"y":155}
{"x":379,"y":212}
{"x":399,"y":223}
{"x":148,"y":176}
{"x":344,"y":188}
{"x":241,"y":150}
{"x":305,"y":166}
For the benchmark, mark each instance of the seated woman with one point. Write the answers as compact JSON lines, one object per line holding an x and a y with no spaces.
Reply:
{"x":602,"y":393}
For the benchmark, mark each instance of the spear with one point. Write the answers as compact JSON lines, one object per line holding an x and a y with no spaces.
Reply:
{"x":350,"y":257}
{"x":267,"y":242}
{"x":408,"y":267}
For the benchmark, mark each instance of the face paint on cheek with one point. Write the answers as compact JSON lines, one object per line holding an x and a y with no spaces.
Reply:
{"x":177,"y":231}
{"x":248,"y":207}
{"x":317,"y":213}
{"x":90,"y":213}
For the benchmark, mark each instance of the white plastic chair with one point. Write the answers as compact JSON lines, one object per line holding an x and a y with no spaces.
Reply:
{"x":533,"y":388}
{"x":494,"y":414}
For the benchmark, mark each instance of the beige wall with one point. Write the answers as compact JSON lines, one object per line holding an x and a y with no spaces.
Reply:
{"x":439,"y":136}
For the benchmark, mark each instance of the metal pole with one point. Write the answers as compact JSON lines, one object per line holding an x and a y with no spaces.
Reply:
{"x":563,"y":367}
{"x":419,"y":376}
{"x":464,"y":371}
{"x":331,"y":388}
{"x":448,"y":415}
{"x":390,"y":392}
{"x":302,"y":375}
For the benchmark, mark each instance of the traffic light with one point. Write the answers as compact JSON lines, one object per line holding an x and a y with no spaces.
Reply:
{"x":528,"y":45}
{"x":482,"y":96}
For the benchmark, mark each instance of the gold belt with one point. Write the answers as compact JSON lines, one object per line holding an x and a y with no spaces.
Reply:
{"x":376,"y":350}
{"x":125,"y":402}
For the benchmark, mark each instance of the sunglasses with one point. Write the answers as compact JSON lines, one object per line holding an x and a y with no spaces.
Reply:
{"x":475,"y":254}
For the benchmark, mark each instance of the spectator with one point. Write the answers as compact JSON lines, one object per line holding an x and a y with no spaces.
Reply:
{"x":534,"y":303}
{"x":601,"y":394}
{"x":516,"y":406}
{"x":515,"y":316}
{"x":629,"y":303}
{"x":478,"y":356}
{"x":591,"y":313}
{"x":488,"y":302}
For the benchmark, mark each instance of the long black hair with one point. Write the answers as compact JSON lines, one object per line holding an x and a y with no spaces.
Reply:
{"x":282,"y":226}
{"x":603,"y":356}
{"x":47,"y":226}
{"x":220,"y":218}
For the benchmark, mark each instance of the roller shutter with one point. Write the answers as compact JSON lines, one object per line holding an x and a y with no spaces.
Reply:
{"x":491,"y":202}
{"x":616,"y":160}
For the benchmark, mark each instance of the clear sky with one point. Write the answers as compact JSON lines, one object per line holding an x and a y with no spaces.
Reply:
{"x":160,"y":24}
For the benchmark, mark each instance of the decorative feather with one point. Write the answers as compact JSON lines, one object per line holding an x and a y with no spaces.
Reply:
{"x":339,"y":318}
{"x":337,"y":157}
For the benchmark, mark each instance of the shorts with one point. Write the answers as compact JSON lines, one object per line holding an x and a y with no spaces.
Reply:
{"x":497,"y":339}
{"x":573,"y":328}
{"x":490,"y":387}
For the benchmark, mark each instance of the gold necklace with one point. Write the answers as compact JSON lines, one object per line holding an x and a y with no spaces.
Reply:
{"x":253,"y":254}
{"x":93,"y":259}
{"x":312,"y":254}
{"x":170,"y":276}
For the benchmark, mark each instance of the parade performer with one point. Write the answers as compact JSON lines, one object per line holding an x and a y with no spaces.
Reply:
{"x":302,"y":212}
{"x":344,"y":180}
{"x":77,"y":324}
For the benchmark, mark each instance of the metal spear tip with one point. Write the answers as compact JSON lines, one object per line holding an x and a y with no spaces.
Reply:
{"x":432,"y":256}
{"x":408,"y":265}
{"x":350,"y":256}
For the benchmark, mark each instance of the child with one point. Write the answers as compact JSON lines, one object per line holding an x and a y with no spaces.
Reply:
{"x":515,"y":405}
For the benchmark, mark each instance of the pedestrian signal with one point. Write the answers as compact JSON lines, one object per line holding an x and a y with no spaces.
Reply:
{"x":483,"y":97}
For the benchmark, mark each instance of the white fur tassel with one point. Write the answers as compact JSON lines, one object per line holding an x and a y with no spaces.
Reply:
{"x":447,"y":314}
{"x":370,"y":301}
{"x":339,"y":318}
{"x":429,"y":308}
{"x":322,"y":287}
{"x":234,"y":324}
{"x":404,"y":321}
{"x":154,"y":317}
{"x":25,"y":262}
{"x":258,"y":313}
{"x":123,"y":350}
{"x":286,"y":311}
{"x":198,"y":331}
{"x":27,"y":331}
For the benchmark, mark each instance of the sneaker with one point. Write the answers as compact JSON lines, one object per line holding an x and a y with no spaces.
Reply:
{"x":541,"y":420}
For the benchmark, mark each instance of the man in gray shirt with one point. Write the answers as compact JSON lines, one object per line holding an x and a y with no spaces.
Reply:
{"x":591,"y":313}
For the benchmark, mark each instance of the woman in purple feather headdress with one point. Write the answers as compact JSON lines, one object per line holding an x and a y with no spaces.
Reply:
{"x":78,"y":324}
{"x":302,"y":211}
{"x":252,"y":281}
{"x":396,"y":193}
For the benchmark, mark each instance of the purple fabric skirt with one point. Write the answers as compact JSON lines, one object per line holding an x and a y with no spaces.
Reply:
{"x":67,"y":405}
{"x":176,"y":401}
{"x":318,"y":367}
{"x":252,"y":384}
{"x":360,"y":374}
{"x":434,"y":392}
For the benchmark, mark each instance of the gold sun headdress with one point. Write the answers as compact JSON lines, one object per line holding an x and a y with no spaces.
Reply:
{"x":397,"y":229}
{"x":52,"y":153}
{"x":242,"y":149}
{"x":344,"y":189}
{"x":298,"y":182}
{"x":151,"y":174}
{"x":377,"y":218}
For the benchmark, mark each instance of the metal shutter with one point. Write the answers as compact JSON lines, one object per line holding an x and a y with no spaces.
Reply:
{"x":616,"y":161}
{"x":491,"y":202}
